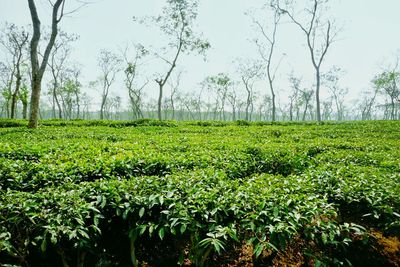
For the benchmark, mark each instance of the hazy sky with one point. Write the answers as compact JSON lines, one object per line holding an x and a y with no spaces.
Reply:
{"x":370,"y":38}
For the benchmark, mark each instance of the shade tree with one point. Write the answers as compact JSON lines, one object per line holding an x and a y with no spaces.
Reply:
{"x":266,"y":42}
{"x":319,"y":32}
{"x":176,"y":22}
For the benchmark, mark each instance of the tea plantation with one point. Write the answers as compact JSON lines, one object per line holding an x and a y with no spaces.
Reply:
{"x":149,"y":193}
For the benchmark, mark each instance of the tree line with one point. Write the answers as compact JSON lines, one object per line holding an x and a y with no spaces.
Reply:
{"x":38,"y":57}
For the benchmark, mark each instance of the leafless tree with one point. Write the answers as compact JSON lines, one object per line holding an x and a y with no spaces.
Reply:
{"x":112,"y":107}
{"x":265,"y":108}
{"x":294,"y":96}
{"x":75,"y":73}
{"x":331,"y":80}
{"x":86,"y":101}
{"x":327,"y":109}
{"x":109,"y":64}
{"x":366,"y":103}
{"x":301,"y":97}
{"x":319,"y":33}
{"x":58,"y":65}
{"x":266,"y":48}
{"x":250,"y":71}
{"x":232,"y":98}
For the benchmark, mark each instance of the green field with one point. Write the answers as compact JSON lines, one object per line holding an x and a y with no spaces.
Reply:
{"x":148,"y":193}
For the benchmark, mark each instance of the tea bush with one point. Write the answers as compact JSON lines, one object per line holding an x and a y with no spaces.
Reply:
{"x":89,"y":193}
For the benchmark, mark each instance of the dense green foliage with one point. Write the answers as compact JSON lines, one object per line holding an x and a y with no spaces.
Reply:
{"x":111,"y":193}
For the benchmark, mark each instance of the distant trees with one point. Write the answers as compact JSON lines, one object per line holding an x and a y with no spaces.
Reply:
{"x":338,"y":93}
{"x":233,"y":100}
{"x":366,"y":103}
{"x":294,"y":102}
{"x":59,"y":68}
{"x":388,"y":83}
{"x":70,"y":94}
{"x":5,"y":77}
{"x":219,"y":86}
{"x":249,"y":72}
{"x":300,"y":98}
{"x":15,"y":40}
{"x":109,"y":64}
{"x":135,"y":91}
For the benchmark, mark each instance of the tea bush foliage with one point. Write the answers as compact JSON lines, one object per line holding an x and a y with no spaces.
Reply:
{"x":100,"y":193}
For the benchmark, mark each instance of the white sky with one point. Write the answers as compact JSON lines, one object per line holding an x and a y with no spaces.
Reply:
{"x":369,"y":40}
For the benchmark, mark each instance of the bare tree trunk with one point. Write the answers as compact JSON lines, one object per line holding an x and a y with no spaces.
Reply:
{"x":318,"y":77}
{"x":24,"y":110}
{"x":317,"y":53}
{"x":77,"y":105}
{"x":103,"y":104}
{"x":273,"y":105}
{"x":9,"y":95}
{"x":248,"y":101}
{"x":35,"y":100}
{"x":305,"y":112}
{"x":173,"y":107}
{"x":36,"y":77}
{"x":14,"y":97}
{"x":392,"y":113}
{"x":162,"y":81}
{"x":159,"y":103}
{"x":272,"y":42}
{"x":291,"y":110}
{"x":39,"y":69}
{"x":57,"y":101}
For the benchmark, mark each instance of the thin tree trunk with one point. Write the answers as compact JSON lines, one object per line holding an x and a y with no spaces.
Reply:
{"x":103,"y":103}
{"x":57,"y":101}
{"x":318,"y":77}
{"x":78,"y":105}
{"x":392,"y":112}
{"x":172,"y":107}
{"x":14,"y":98}
{"x":159,"y":103}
